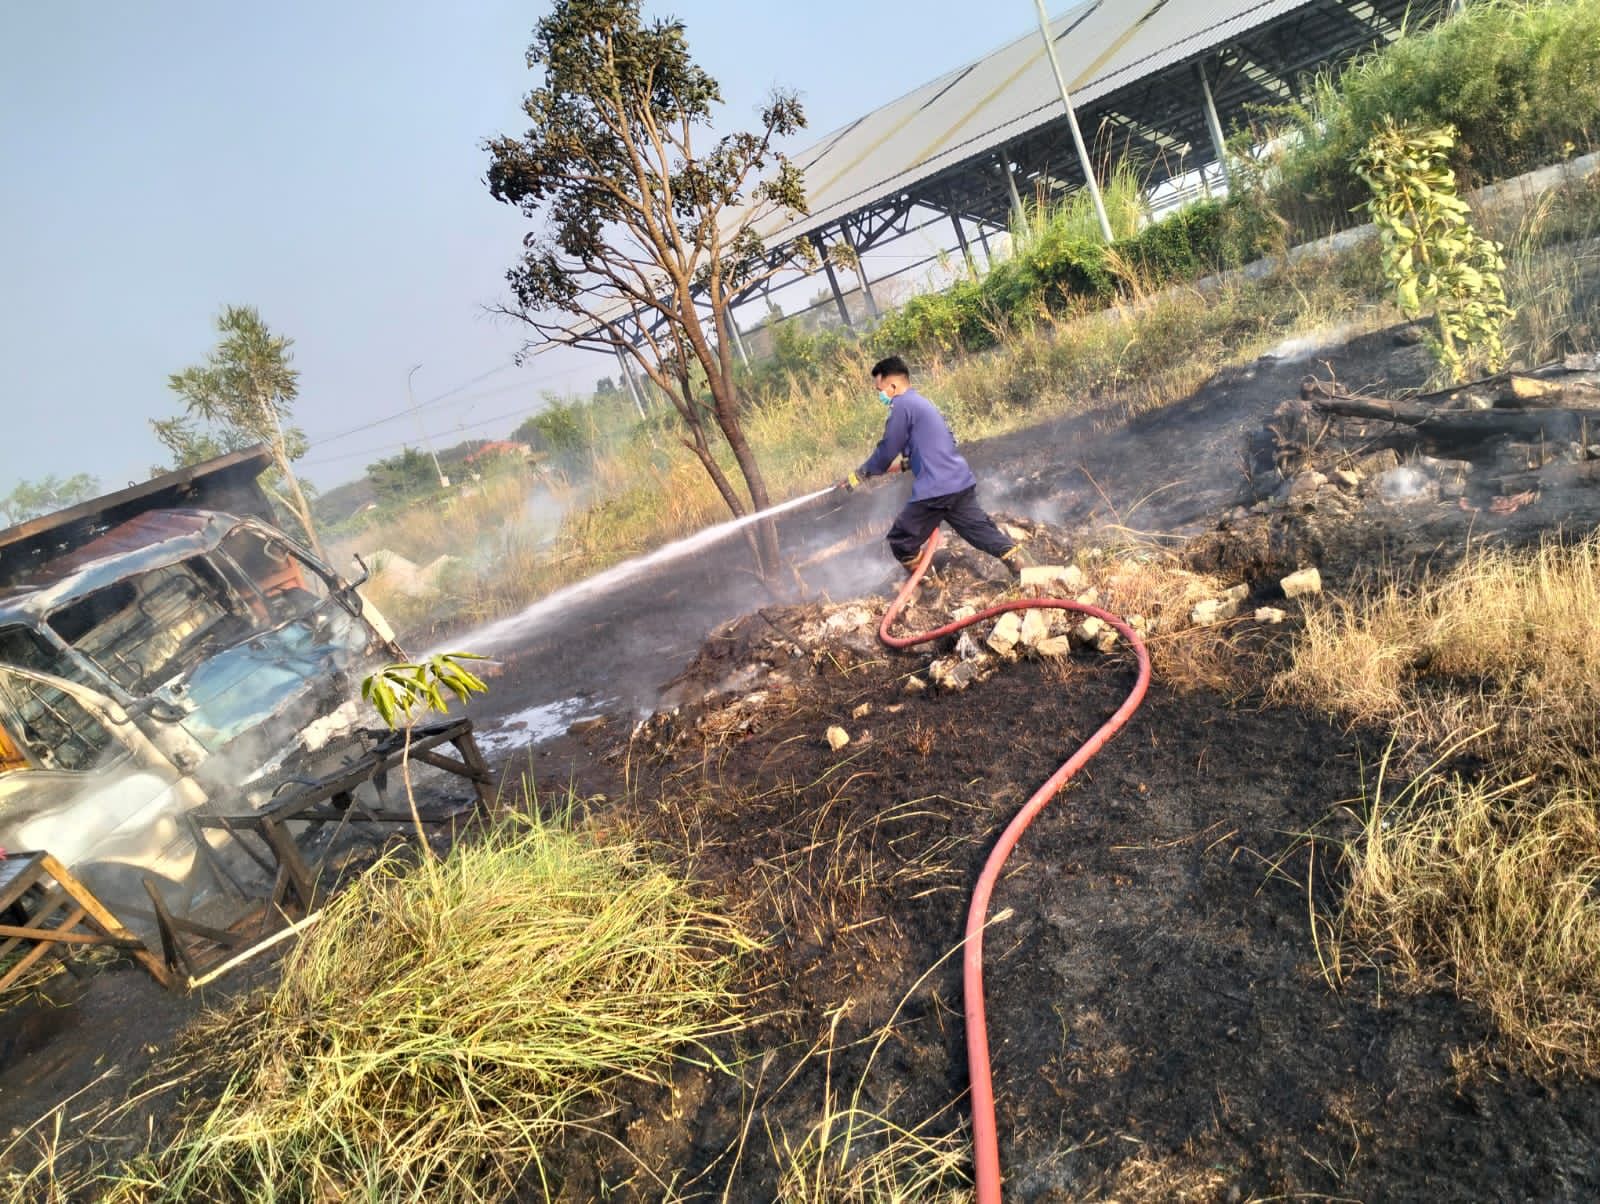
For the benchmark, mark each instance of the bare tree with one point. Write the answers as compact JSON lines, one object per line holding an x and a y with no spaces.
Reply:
{"x":647,"y":236}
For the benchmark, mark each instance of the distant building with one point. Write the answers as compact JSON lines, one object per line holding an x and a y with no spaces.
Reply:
{"x":497,"y":448}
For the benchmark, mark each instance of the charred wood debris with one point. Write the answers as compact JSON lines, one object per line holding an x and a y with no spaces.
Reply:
{"x":1496,"y":444}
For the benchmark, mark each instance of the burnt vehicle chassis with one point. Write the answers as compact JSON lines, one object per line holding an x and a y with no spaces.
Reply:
{"x":168,"y":670}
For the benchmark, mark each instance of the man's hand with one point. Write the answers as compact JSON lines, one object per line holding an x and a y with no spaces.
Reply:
{"x":849,"y":483}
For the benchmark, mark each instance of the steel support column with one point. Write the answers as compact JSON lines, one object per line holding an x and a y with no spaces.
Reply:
{"x":627,"y":380}
{"x":1018,"y":213}
{"x":833,"y":280}
{"x":966,"y":247}
{"x":738,"y":342}
{"x":1072,"y":122}
{"x":861,"y":271}
{"x":1214,"y":124}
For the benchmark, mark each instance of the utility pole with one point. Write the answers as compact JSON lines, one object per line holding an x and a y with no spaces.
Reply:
{"x":444,"y":481}
{"x":1072,"y":121}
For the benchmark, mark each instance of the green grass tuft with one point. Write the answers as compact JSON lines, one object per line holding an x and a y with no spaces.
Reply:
{"x":445,"y":1025}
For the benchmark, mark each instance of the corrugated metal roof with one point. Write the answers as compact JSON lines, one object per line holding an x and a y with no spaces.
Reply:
{"x":1103,"y":45}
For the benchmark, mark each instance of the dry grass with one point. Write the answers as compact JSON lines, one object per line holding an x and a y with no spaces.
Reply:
{"x":1169,"y":1179}
{"x":1489,"y":890}
{"x":853,"y":1153}
{"x":857,"y":1156}
{"x":447,"y":1024}
{"x":1552,"y":273}
{"x":1482,"y":880}
{"x":1146,"y":580}
{"x":1505,"y":644}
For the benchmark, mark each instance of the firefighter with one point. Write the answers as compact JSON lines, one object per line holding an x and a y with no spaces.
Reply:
{"x":916,"y":437}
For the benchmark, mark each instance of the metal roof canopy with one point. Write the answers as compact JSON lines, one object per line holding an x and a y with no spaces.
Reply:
{"x":1129,"y":67}
{"x":1138,"y":76}
{"x":964,"y":144}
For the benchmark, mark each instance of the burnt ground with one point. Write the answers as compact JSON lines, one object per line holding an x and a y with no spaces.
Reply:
{"x":1161,"y":1026}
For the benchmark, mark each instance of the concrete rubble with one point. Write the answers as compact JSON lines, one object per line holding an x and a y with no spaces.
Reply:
{"x":1301,"y":583}
{"x":1224,"y":606}
{"x":760,"y":657}
{"x":1007,"y":631}
{"x":1035,"y":628}
{"x":1043,"y":577}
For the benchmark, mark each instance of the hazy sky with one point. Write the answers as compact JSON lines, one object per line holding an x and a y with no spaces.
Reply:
{"x":322,"y":162}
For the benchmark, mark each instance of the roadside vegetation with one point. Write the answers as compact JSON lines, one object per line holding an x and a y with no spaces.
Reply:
{"x":1476,"y":869}
{"x":1518,"y":79}
{"x":1063,"y":324}
{"x":447,"y":1024}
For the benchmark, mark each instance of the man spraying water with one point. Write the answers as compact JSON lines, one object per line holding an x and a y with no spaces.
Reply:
{"x":945,"y":489}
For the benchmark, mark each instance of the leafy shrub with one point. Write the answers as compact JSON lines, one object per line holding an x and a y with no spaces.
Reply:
{"x":1519,"y":80}
{"x":1431,"y":254}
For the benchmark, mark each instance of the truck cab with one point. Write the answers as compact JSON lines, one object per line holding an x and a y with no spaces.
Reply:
{"x":158,"y":658}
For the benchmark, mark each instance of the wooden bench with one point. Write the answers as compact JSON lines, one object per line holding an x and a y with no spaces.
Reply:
{"x":66,"y":916}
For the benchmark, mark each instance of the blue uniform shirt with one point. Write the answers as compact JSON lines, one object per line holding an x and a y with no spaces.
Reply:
{"x":916,"y":428}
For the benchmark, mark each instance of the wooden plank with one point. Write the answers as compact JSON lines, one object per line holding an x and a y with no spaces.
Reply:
{"x":62,"y":936}
{"x":291,"y":862}
{"x":448,"y":764}
{"x":173,"y":951}
{"x":18,"y":872}
{"x":467,"y":745}
{"x":84,"y":898}
{"x":217,"y":936}
{"x":107,"y":922}
{"x":55,"y":899}
{"x":219,"y":871}
{"x":40,"y":949}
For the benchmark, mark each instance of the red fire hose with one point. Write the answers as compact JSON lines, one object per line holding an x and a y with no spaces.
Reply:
{"x":985,"y":1144}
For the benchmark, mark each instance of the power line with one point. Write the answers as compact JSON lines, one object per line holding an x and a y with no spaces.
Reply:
{"x":378,"y":451}
{"x":445,"y":396}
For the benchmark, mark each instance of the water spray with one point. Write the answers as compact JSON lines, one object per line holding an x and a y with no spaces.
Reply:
{"x":513,"y":626}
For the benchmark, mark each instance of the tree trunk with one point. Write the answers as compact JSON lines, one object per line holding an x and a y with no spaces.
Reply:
{"x":683,"y":401}
{"x":714,"y":470}
{"x":280,"y":453}
{"x":301,"y":508}
{"x":725,"y":404}
{"x":1457,"y":427}
{"x":770,"y":559}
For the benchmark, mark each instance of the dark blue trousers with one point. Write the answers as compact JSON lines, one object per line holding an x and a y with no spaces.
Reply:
{"x":961,"y":510}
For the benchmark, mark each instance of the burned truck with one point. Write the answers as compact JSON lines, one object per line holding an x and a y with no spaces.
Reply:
{"x":164,"y":650}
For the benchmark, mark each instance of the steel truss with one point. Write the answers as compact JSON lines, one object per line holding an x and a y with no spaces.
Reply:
{"x":1167,"y":122}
